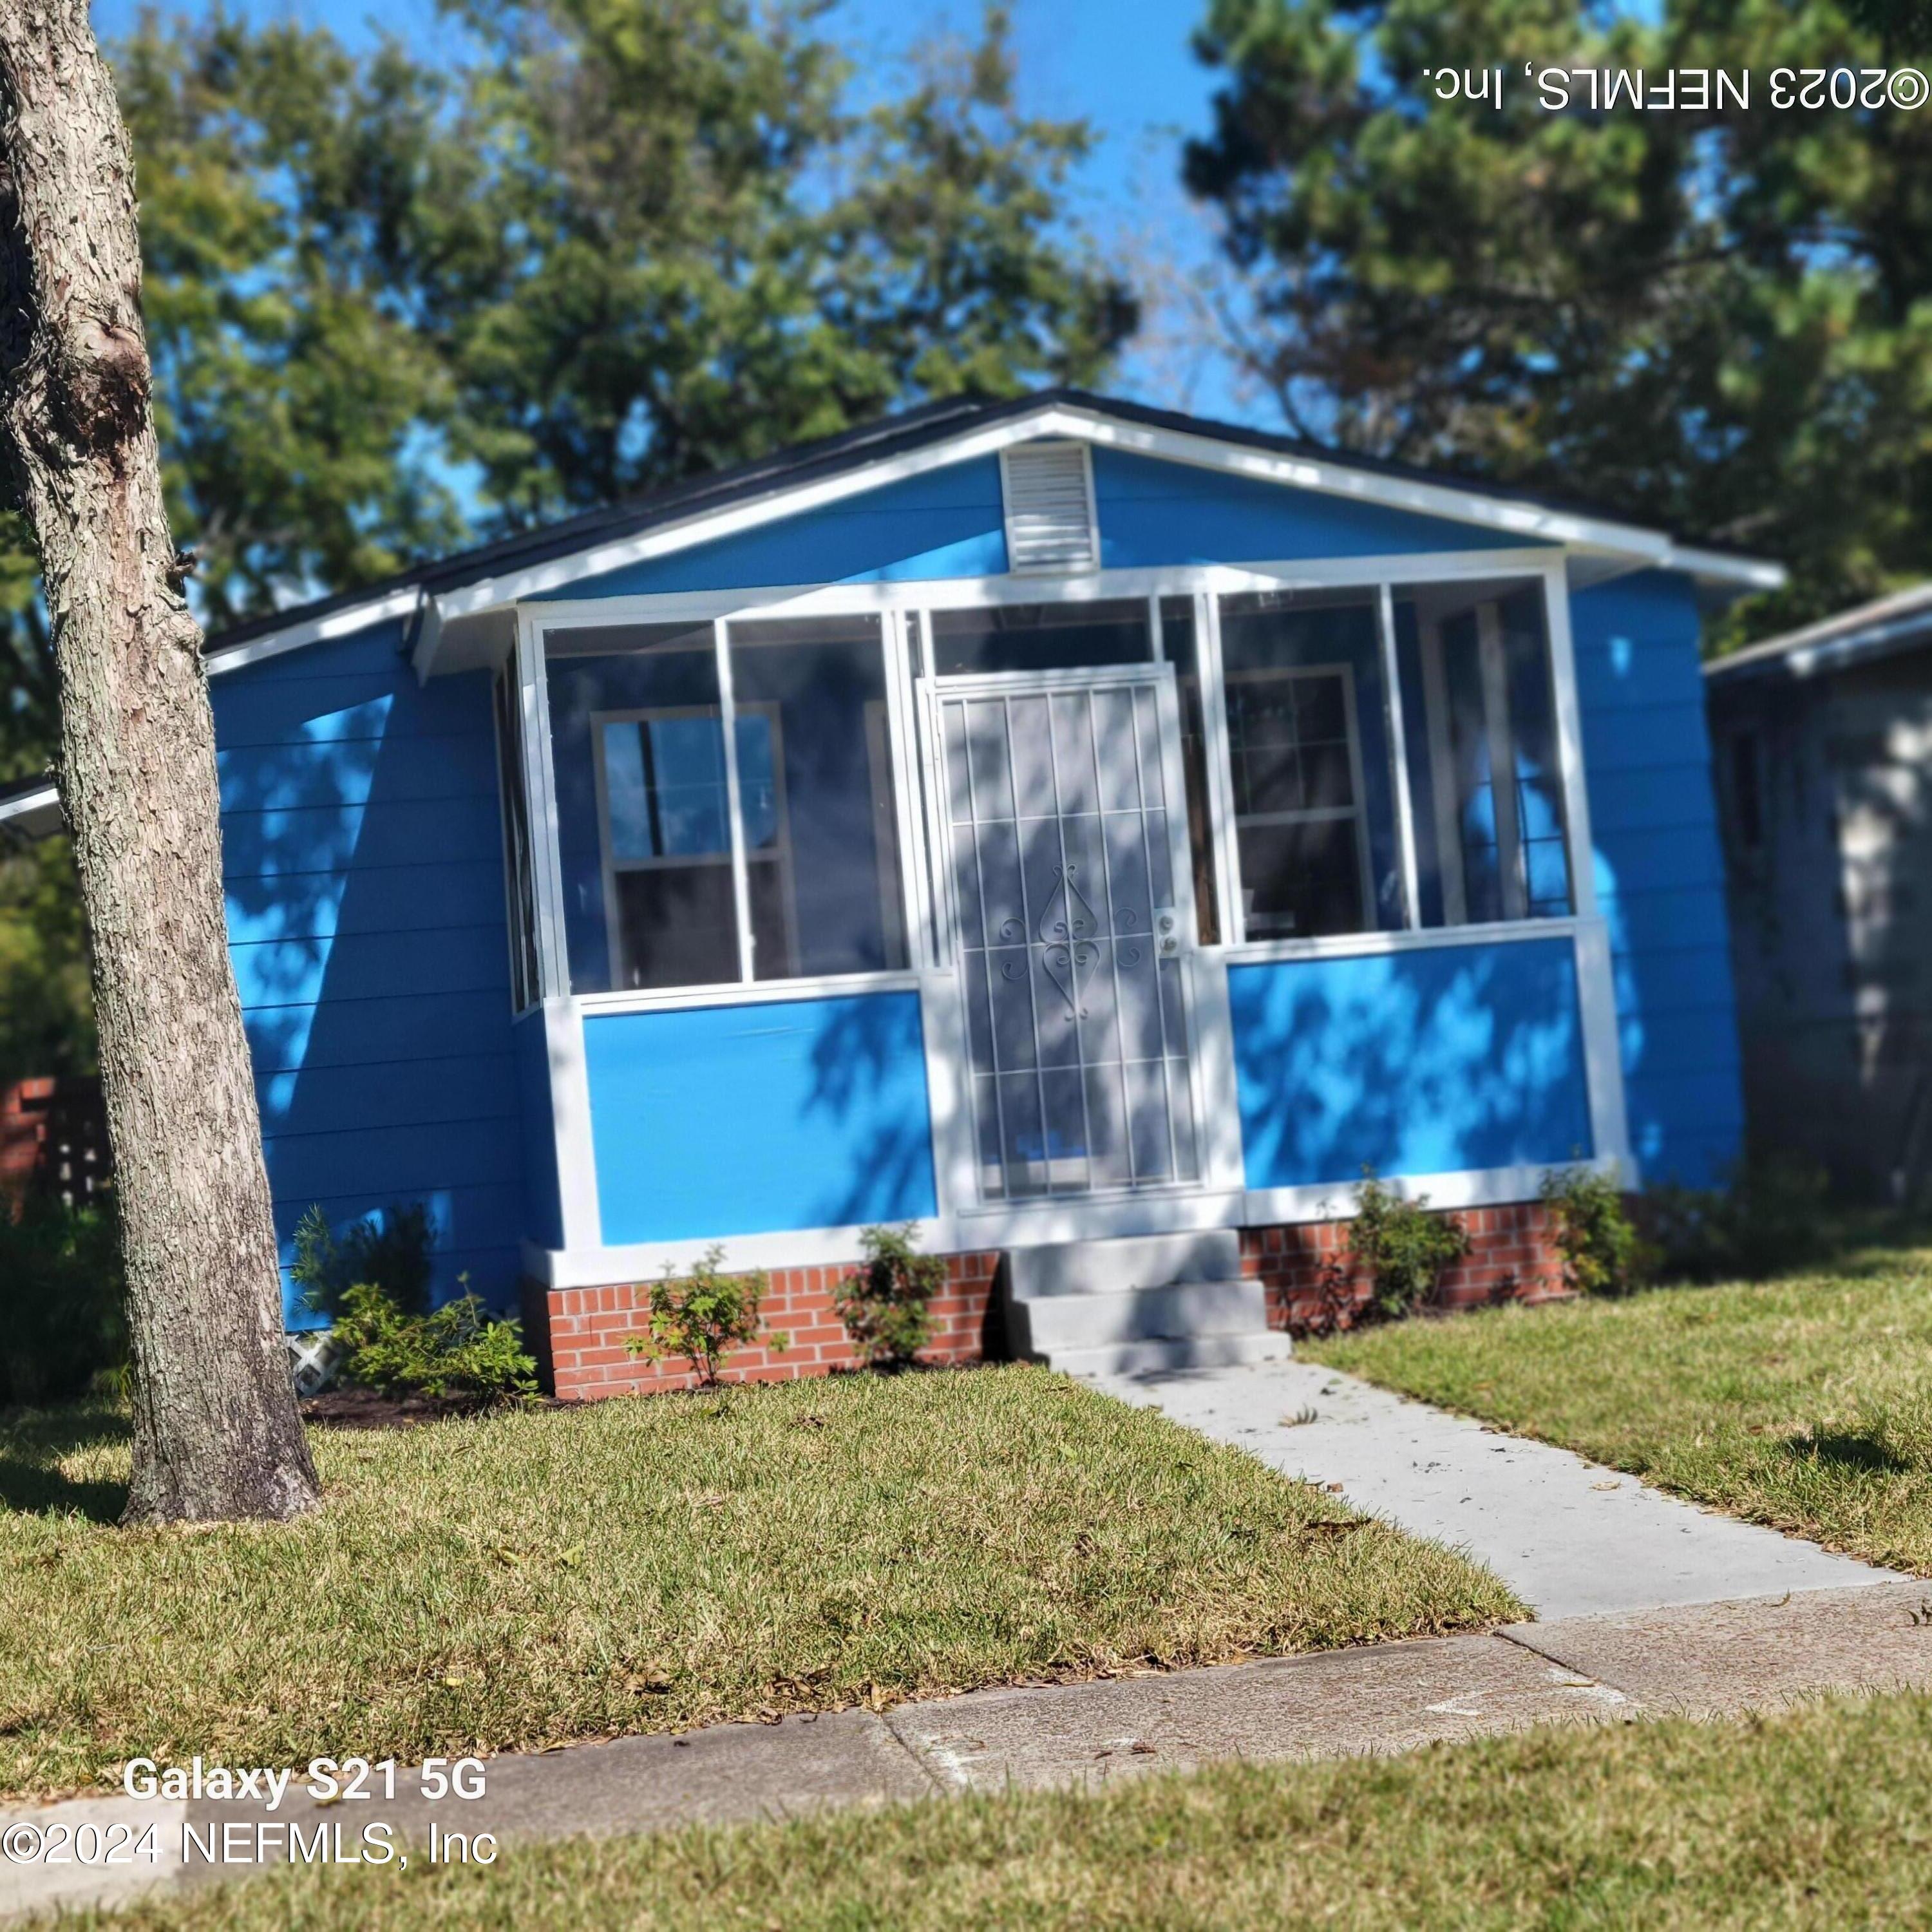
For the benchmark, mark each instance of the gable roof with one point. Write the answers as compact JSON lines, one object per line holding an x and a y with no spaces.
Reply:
{"x":927,"y":436}
{"x":1901,"y":622}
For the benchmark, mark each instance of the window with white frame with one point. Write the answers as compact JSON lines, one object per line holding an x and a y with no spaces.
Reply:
{"x":1317,"y":845}
{"x":1392,"y":767}
{"x":1491,"y":831}
{"x":726,"y":807}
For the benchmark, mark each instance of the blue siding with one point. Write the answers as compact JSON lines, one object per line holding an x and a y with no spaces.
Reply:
{"x":947,"y":523}
{"x":750,"y":1119}
{"x":1659,"y":872}
{"x":1153,"y":513}
{"x":364,"y":869}
{"x":1412,"y":1063}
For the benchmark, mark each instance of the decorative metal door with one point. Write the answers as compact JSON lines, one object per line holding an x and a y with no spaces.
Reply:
{"x":1062,"y":822}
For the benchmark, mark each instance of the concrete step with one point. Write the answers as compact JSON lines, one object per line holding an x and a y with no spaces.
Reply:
{"x":1105,"y":1268}
{"x":1054,"y":1322}
{"x":1197,"y":1351}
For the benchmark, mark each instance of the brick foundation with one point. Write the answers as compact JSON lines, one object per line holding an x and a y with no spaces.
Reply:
{"x":577,"y":1334}
{"x":1513,"y":1257}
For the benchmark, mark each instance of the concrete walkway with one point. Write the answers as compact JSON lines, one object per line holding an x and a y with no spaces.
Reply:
{"x":1572,"y":1538}
{"x":1703,"y":1660}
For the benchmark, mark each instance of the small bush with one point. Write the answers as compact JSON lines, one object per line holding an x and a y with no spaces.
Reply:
{"x":63,"y":1321}
{"x":457,"y":1352}
{"x":1773,"y":1215}
{"x":390,"y":1251}
{"x":886,"y":1304}
{"x":1603,"y":1252}
{"x":1401,"y":1246}
{"x":703,"y":1315}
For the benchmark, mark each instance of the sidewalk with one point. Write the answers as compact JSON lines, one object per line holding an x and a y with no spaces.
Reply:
{"x":1707,"y":1659}
{"x":1571,"y":1538}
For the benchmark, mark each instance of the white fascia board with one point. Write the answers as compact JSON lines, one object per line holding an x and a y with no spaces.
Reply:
{"x":342,"y":623}
{"x":33,"y":814}
{"x":1714,"y":567}
{"x":36,"y":813}
{"x":1517,"y":520}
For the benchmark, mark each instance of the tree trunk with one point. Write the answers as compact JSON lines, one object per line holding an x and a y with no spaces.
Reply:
{"x":216,"y":1433}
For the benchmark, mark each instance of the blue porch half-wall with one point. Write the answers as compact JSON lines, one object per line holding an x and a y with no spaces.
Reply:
{"x":748,"y":1119}
{"x":364,"y":871}
{"x":1440,"y":1061}
{"x":1659,"y":873}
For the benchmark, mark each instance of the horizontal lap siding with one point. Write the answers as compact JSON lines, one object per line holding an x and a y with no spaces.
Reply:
{"x":1443,"y":1060}
{"x":1660,"y":872}
{"x":749,"y":1120}
{"x":1153,"y":513}
{"x":948,"y":523}
{"x":364,"y":872}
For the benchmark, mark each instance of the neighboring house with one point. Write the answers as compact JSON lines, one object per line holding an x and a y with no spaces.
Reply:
{"x":1054,"y":821}
{"x":1822,"y":740}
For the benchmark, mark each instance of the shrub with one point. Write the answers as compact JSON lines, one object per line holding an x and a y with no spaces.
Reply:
{"x":1401,"y":1247}
{"x":703,"y":1315}
{"x":886,"y":1304}
{"x":63,"y":1321}
{"x":1773,"y":1215}
{"x":389,"y":1251}
{"x":457,"y":1352}
{"x":1603,"y":1252}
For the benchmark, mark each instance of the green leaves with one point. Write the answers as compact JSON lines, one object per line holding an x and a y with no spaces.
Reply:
{"x":1720,"y":320}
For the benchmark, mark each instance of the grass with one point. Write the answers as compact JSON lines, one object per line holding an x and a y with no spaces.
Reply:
{"x":1805,"y":1403}
{"x":516,"y":1580}
{"x":1813,"y":1818}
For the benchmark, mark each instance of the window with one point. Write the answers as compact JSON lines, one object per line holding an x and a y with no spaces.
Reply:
{"x":506,"y":693}
{"x":670,"y":893}
{"x":664,"y":886}
{"x":1316,"y":840}
{"x":1479,"y":707}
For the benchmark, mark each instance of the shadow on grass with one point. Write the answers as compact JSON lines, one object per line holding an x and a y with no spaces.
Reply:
{"x":32,"y":1442}
{"x":1845,"y":1450}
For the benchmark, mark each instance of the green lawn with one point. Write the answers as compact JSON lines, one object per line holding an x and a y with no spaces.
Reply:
{"x":515,"y":1580}
{"x":1816,"y":1818}
{"x":1805,"y":1403}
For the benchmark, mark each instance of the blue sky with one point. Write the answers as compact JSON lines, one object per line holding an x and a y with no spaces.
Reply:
{"x":1125,"y":68}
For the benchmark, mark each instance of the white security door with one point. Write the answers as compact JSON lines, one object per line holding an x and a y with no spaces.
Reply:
{"x":1062,"y":821}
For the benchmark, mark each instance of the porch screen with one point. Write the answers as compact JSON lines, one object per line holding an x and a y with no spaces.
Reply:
{"x":1491,"y":842}
{"x":1308,"y":747}
{"x":724,"y":803}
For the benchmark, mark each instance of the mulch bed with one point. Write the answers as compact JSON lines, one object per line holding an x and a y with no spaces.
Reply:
{"x":368,"y":1408}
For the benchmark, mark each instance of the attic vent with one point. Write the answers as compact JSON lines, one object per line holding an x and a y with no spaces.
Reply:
{"x":1049,"y":497}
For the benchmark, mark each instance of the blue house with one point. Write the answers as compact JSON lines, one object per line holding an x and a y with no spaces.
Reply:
{"x":1092,"y":833}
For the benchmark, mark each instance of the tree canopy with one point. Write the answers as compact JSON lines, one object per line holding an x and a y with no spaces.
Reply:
{"x":395,"y":302}
{"x":1719,"y":320}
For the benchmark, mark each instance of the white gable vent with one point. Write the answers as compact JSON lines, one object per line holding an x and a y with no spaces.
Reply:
{"x":1049,"y":500}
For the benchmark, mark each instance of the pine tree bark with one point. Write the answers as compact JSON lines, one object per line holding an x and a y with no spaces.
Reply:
{"x":216,"y":1433}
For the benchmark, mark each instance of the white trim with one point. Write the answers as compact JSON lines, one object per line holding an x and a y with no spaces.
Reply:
{"x":1456,"y":503}
{"x":1070,"y":1219}
{"x":1603,"y":1051}
{"x":1418,"y":939}
{"x":741,"y":871}
{"x":1220,"y":769}
{"x":540,"y":778}
{"x":746,"y":993}
{"x":1475,"y":1187}
{"x":570,"y":1123}
{"x":1178,"y":579}
{"x":1582,"y":852}
{"x":1398,"y":731}
{"x":342,"y":623}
